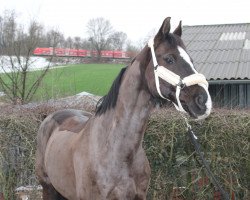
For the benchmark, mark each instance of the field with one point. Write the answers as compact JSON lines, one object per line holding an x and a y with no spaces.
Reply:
{"x":73,"y":79}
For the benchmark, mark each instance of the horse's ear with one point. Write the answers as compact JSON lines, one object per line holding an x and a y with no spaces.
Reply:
{"x":178,"y":30}
{"x":164,"y":30}
{"x":166,"y":26}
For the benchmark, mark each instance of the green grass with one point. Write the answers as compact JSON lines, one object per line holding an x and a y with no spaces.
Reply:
{"x":70,"y":80}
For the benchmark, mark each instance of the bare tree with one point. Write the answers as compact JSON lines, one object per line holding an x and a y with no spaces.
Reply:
{"x":118,"y":40}
{"x":132,"y":49}
{"x":77,"y":42}
{"x":17,"y":45}
{"x":100,"y":31}
{"x":54,"y":39}
{"x":86,"y":44}
{"x":68,"y":43}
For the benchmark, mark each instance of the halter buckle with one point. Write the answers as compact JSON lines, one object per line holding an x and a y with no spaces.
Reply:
{"x":156,"y":66}
{"x":181,"y":84}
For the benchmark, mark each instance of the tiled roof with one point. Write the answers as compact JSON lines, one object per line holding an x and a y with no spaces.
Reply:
{"x":220,"y":51}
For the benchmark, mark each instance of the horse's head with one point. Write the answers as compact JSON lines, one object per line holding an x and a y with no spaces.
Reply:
{"x":171,"y":74}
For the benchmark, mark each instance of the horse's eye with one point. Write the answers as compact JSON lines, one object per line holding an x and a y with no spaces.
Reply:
{"x":169,"y":59}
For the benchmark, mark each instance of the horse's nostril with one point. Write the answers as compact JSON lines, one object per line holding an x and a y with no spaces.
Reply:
{"x":200,"y":101}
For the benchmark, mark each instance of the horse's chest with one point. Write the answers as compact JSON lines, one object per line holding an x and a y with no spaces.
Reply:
{"x":122,"y":180}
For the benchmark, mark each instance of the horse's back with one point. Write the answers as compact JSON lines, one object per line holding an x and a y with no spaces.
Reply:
{"x":71,"y":120}
{"x":68,"y":120}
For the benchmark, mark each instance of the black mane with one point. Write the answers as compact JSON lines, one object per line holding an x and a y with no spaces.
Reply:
{"x":109,"y":100}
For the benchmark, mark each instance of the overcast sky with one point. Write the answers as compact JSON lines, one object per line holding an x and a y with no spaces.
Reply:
{"x":134,"y":17}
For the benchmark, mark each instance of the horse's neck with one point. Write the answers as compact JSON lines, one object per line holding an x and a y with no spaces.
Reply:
{"x":133,"y":104}
{"x":125,"y":125}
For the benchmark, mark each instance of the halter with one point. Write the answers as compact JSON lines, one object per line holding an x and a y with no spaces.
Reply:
{"x":174,"y":79}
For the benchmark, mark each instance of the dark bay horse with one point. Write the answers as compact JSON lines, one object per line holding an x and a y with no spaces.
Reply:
{"x":96,"y":157}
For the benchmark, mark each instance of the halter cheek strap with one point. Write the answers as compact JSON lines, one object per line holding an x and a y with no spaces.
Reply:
{"x":174,"y":79}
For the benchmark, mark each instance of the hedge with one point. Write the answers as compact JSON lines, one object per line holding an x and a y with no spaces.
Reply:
{"x":177,"y":172}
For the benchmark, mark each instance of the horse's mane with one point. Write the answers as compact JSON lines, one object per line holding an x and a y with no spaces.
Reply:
{"x":109,"y":100}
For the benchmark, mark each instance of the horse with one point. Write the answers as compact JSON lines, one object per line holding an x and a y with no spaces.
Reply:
{"x":99,"y":156}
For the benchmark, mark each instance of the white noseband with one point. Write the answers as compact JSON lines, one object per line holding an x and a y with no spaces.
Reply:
{"x":173,"y":78}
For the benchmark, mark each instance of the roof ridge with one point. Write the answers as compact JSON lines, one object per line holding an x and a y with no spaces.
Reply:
{"x":228,"y":24}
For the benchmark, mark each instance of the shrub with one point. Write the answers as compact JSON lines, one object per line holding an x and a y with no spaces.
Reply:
{"x":176,"y":170}
{"x":224,"y":137}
